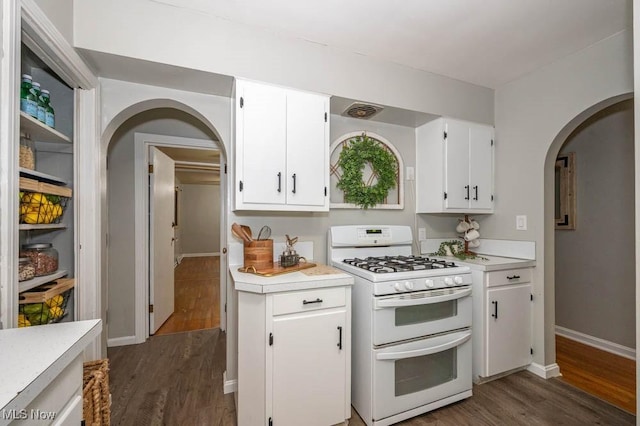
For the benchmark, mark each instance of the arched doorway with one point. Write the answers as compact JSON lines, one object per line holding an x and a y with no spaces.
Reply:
{"x":180,"y":115}
{"x":581,"y":302}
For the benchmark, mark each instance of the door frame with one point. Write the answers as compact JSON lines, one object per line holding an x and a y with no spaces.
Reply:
{"x":142,"y":142}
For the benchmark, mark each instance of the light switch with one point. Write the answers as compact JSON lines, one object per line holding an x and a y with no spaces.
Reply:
{"x":521,"y":222}
{"x":411,"y":173}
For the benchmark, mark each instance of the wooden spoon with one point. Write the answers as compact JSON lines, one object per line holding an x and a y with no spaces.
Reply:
{"x":238,"y":232}
{"x":247,"y":230}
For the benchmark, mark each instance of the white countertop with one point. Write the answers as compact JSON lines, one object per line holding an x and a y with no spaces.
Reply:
{"x":491,"y":263}
{"x":288,"y":282}
{"x":32,"y":357}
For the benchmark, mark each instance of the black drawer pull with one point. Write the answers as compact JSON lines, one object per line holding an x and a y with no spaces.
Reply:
{"x":340,"y":338}
{"x":495,"y":309}
{"x":308,"y":302}
{"x":514,"y":277}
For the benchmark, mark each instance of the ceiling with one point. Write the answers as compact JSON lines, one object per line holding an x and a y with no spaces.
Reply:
{"x":195,"y":166}
{"x":487,"y":43}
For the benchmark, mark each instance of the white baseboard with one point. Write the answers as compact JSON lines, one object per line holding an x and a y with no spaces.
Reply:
{"x":596,"y":342}
{"x":229,"y":386}
{"x":544,"y":371}
{"x":121,"y":341}
{"x":182,"y":256}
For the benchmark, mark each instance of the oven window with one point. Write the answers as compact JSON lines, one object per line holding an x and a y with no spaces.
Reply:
{"x":425,"y":313}
{"x":425,"y":372}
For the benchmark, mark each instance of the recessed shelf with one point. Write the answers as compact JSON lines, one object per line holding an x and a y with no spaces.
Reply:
{"x":41,"y":226}
{"x":42,"y":177}
{"x":39,"y":131}
{"x":35,"y":282}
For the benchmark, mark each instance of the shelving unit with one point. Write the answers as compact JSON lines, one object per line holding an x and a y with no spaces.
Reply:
{"x":54,"y":173}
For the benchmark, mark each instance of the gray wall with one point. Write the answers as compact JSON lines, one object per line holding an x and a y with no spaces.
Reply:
{"x":199,"y":221}
{"x":120,"y":178}
{"x":60,"y":12}
{"x":595,"y":264}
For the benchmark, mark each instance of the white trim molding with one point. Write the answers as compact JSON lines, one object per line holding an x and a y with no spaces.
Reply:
{"x":597,"y":343}
{"x":121,"y":341}
{"x":183,"y":255}
{"x":229,"y":386}
{"x":544,"y":371}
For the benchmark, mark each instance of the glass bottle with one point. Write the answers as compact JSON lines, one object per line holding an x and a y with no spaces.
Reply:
{"x":28,"y":101}
{"x":43,"y":256}
{"x":39,"y":105}
{"x":27,"y":156}
{"x":49,"y":114}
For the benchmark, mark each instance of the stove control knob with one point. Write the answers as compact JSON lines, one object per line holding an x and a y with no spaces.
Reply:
{"x":458,"y":279}
{"x":448,"y":280}
{"x":408,"y":285}
{"x":398,"y":287}
{"x":429,"y":283}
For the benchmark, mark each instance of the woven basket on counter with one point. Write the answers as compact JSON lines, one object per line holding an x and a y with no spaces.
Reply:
{"x":96,"y":409}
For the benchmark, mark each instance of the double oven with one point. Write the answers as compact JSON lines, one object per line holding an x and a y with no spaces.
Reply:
{"x":411,"y":340}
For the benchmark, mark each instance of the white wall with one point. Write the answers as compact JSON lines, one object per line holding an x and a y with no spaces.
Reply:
{"x":138,"y":29}
{"x":534,"y":115}
{"x":60,"y":12}
{"x":595,"y":263}
{"x":199,"y":219}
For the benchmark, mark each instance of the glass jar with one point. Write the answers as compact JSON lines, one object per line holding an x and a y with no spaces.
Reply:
{"x":28,"y":101}
{"x":27,"y":157}
{"x":26,"y":270}
{"x":43,"y":256}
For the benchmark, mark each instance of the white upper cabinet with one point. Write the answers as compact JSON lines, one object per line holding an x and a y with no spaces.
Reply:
{"x":454,"y":167}
{"x":281,"y":149}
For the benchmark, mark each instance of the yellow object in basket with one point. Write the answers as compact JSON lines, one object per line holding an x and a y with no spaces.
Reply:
{"x":55,"y":301}
{"x":37,"y":199}
{"x":23,"y":321}
{"x":31,"y":217}
{"x":57,"y":211}
{"x":55,"y":312}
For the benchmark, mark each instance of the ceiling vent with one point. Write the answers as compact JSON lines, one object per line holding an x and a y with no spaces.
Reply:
{"x":362,"y":110}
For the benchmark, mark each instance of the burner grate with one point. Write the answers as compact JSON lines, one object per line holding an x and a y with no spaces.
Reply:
{"x":385,"y":264}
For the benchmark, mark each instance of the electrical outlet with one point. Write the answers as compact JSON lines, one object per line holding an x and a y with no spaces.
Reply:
{"x":411,"y":173}
{"x":422,"y":234}
{"x":521,"y":223}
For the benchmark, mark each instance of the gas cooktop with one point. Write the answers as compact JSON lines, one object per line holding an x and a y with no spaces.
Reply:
{"x":387,"y":264}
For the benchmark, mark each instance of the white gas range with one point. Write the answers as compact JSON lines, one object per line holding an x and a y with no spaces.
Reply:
{"x":411,"y":324}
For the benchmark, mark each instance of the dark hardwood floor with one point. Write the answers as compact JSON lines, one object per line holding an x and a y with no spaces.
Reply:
{"x":600,"y":373}
{"x":177,"y":380}
{"x":196,"y":296}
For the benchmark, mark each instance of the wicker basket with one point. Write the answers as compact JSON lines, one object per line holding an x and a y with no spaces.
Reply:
{"x":96,"y":409}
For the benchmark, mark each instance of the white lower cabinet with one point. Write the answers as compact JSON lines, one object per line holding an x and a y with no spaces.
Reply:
{"x":502,"y":338}
{"x":294,"y":363}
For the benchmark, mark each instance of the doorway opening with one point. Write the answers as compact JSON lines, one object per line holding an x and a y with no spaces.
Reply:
{"x":594,"y":261}
{"x":128,"y":246}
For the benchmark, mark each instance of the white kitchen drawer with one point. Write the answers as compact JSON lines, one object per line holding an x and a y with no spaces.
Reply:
{"x":508,"y":276}
{"x":308,"y":300}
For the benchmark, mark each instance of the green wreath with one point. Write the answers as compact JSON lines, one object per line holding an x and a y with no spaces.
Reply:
{"x":353,"y":157}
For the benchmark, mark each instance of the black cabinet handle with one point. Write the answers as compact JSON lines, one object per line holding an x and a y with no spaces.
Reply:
{"x":279,"y":181}
{"x":340,"y":337}
{"x":467,"y":188}
{"x":294,"y":183}
{"x":514,"y":277}
{"x":475,"y":188}
{"x":308,"y":302}
{"x":495,"y":309}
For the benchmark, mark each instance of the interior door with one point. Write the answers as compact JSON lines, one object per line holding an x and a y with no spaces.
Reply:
{"x":161,"y":238}
{"x":306,"y":148}
{"x":457,"y":165}
{"x":481,"y":166}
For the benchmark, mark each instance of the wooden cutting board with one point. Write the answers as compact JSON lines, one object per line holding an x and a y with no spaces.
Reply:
{"x":277,"y":269}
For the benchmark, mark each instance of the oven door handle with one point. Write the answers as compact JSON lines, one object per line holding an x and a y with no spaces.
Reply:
{"x":397,"y":302}
{"x":392,"y":356}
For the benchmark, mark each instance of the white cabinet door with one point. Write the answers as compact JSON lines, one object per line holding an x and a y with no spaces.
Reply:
{"x":307,"y":149}
{"x":309,"y":368}
{"x":261,"y":144}
{"x":481,"y":167}
{"x":457,"y":165}
{"x":508,"y":316}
